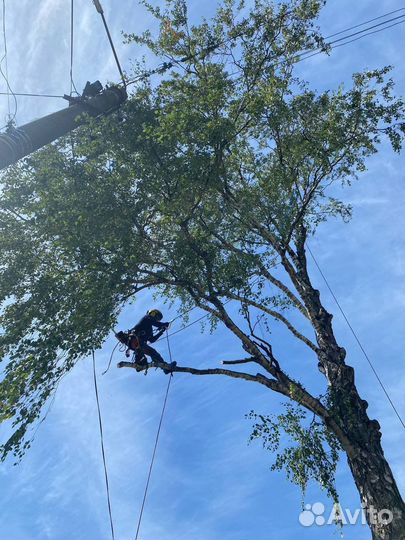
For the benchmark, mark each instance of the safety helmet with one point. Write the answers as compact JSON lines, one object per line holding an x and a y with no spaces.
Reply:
{"x":156,"y":314}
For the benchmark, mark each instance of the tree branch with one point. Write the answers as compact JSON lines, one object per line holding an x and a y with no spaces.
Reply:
{"x":266,"y":274}
{"x":278,"y":316}
{"x":270,"y":383}
{"x":284,"y":386}
{"x":241,"y":361}
{"x":285,"y":290}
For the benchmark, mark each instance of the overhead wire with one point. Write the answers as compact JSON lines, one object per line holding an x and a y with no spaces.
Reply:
{"x":165,"y":66}
{"x":365,"y":22}
{"x":161,"y":69}
{"x":5,"y":55}
{"x":368,"y":34}
{"x":345,"y":318}
{"x":4,"y":59}
{"x":72,"y":84}
{"x":100,"y":10}
{"x":355,"y":336}
{"x":360,"y":33}
{"x":100,"y":423}
{"x":358,"y":26}
{"x":26,"y":94}
{"x":168,"y":65}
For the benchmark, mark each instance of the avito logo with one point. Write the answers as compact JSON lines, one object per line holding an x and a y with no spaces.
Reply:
{"x":314,"y":514}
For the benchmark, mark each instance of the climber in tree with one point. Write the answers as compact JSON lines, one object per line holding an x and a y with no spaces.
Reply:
{"x":143,"y":330}
{"x":137,"y":337}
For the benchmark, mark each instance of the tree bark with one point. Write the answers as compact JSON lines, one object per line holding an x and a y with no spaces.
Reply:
{"x":371,"y":471}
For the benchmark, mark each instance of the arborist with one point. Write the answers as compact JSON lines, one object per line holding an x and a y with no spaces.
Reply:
{"x":137,"y":338}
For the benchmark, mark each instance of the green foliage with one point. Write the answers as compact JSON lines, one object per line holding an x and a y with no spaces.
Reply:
{"x":193,"y":189}
{"x":313,"y":454}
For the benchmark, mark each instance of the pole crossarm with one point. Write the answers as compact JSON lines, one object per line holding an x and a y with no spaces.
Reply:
{"x":19,"y":142}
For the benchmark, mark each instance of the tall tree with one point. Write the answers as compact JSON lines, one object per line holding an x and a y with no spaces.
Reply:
{"x":204,"y":187}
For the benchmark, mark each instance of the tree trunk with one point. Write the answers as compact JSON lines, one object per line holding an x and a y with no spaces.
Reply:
{"x":382,"y":502}
{"x":371,"y":472}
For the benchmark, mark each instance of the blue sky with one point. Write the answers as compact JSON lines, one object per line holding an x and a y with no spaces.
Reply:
{"x":208,"y":483}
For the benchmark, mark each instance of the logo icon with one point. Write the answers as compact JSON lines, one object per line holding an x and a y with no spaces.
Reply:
{"x":312,"y":514}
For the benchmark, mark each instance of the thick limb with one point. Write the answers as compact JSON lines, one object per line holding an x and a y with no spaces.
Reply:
{"x":283,"y":385}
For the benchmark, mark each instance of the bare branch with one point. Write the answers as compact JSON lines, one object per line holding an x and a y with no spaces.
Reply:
{"x":248,"y":344}
{"x":277,"y":316}
{"x":241,"y":361}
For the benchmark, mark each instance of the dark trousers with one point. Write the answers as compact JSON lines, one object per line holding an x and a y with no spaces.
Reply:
{"x":148,"y":351}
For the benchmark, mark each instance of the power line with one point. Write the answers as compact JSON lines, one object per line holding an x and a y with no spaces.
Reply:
{"x":361,"y":32}
{"x":368,"y":34}
{"x":165,"y":66}
{"x":100,"y":423}
{"x":72,"y":84}
{"x":355,"y":336}
{"x":161,"y":68}
{"x":5,"y":56}
{"x":27,"y":94}
{"x":5,"y":75}
{"x":358,"y":25}
{"x":365,"y":22}
{"x":101,"y":12}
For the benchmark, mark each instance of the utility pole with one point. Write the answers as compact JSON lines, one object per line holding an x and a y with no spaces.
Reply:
{"x":19,"y":142}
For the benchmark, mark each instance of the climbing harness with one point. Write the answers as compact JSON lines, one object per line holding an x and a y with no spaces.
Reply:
{"x":130,"y":339}
{"x":134,"y":345}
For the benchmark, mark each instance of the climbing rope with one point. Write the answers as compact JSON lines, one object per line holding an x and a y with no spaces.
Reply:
{"x":156,"y":443}
{"x":102,"y":446}
{"x":110,"y":360}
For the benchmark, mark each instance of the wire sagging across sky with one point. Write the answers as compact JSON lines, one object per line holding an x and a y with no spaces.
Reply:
{"x":163,"y":67}
{"x":384,"y":25}
{"x":4,"y":59}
